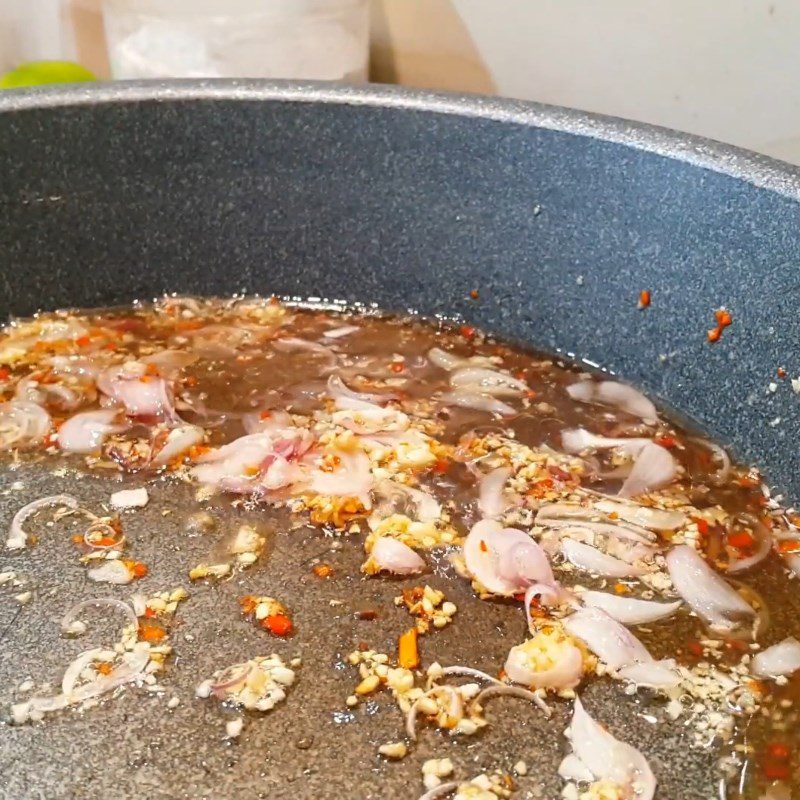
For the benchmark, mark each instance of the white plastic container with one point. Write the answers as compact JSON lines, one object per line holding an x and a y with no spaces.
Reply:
{"x":34,"y":30}
{"x":311,"y":39}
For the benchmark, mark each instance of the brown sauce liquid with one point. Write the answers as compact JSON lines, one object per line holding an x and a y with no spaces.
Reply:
{"x":241,"y":370}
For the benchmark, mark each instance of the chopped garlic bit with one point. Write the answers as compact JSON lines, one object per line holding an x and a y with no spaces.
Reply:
{"x":112,"y":571}
{"x":428,"y":606}
{"x":130,"y":498}
{"x":209,"y":571}
{"x":261,"y":684}
{"x":440,"y":767}
{"x":486,"y":787}
{"x":445,"y":706}
{"x":395,"y":750}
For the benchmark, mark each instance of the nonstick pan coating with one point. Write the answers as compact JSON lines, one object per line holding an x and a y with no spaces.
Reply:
{"x":406,"y":200}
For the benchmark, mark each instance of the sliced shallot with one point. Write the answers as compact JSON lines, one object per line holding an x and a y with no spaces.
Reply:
{"x":495,"y":559}
{"x":342,"y":330}
{"x":565,"y":515}
{"x":653,"y":469}
{"x":763,"y":548}
{"x":512,"y":691}
{"x":142,"y":395}
{"x":619,"y":395}
{"x":720,"y":477}
{"x":629,"y":610}
{"x":17,"y":536}
{"x":178,"y":441}
{"x":579,"y":439}
{"x":22,"y":423}
{"x":170,"y":362}
{"x":477,"y":402}
{"x":591,"y":559}
{"x":704,"y":590}
{"x":399,"y":498}
{"x":491,"y":499}
{"x":351,"y":478}
{"x":294,"y":343}
{"x":654,"y":519}
{"x":339,"y":391}
{"x":487,"y":381}
{"x":366,"y":418}
{"x":235,"y":460}
{"x":391,"y":555}
{"x":780,"y":659}
{"x":617,"y":647}
{"x":131,"y":670}
{"x":445,"y":360}
{"x":71,"y":617}
{"x":231,"y":677}
{"x":86,"y":432}
{"x":607,"y":758}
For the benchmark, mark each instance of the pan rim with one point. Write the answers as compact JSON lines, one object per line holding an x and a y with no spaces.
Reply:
{"x":753,"y":168}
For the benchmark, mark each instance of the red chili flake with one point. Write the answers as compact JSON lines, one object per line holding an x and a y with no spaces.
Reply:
{"x":702,"y":526}
{"x":323,"y":570}
{"x":644,"y":298}
{"x":467,"y":331}
{"x":482,"y":545}
{"x":695,"y":648}
{"x":277,"y":624}
{"x":474,"y":294}
{"x":741,"y":540}
{"x":666,"y":441}
{"x":367,"y":615}
{"x":781,"y":372}
{"x":4,"y":374}
{"x":139,"y":570}
{"x":441,"y":465}
{"x":265,"y":415}
{"x":83,"y":341}
{"x":723,"y":317}
{"x":779,"y":751}
{"x":789,"y":546}
{"x":776,"y":770}
{"x":397,"y":366}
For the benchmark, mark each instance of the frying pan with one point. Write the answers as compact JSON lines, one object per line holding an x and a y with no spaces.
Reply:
{"x":408,"y":200}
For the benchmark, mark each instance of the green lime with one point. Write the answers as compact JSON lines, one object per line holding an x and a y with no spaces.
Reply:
{"x":40,"y":73}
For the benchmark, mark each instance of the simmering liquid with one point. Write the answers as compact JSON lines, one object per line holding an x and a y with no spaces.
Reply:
{"x":638,"y":551}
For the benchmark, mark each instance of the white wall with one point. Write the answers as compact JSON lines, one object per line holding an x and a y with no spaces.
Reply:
{"x":728,"y":69}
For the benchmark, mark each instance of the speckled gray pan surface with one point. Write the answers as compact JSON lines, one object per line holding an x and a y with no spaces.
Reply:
{"x":409,"y":201}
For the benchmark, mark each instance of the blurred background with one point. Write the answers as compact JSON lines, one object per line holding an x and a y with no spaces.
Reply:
{"x":720,"y":68}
